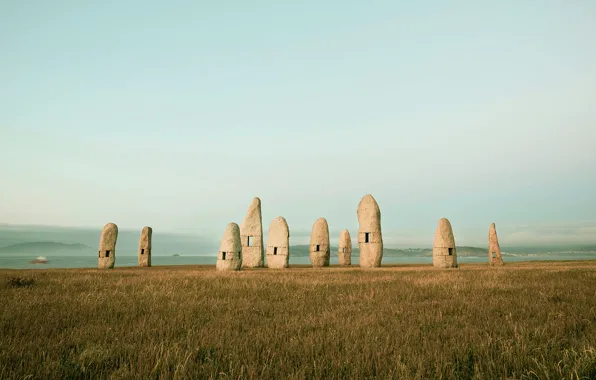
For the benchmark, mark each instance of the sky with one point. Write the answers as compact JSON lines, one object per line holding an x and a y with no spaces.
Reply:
{"x":175,"y":114}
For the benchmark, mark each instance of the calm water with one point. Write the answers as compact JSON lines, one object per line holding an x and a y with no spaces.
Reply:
{"x":55,"y":261}
{"x":20,"y":244}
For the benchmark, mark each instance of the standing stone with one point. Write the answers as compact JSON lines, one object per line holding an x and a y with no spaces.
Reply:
{"x":320,"y":250}
{"x":444,"y":253}
{"x":229,"y":256}
{"x":107,"y":246}
{"x":494,"y":251}
{"x":345,"y":248}
{"x":278,"y":244}
{"x":370,"y":237}
{"x":251,"y":233}
{"x":144,"y":253}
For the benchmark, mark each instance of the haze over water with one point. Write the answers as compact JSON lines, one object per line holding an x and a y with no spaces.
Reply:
{"x":77,"y":248}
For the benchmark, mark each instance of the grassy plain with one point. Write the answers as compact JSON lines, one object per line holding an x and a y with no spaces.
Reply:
{"x":524,"y":320}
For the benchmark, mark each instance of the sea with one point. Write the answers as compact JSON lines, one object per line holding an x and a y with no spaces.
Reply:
{"x":77,"y":248}
{"x":124,"y":260}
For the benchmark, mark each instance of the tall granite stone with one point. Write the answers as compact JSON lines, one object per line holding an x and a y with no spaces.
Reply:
{"x":144,"y":252}
{"x":444,"y":253}
{"x":494,"y":250}
{"x":320,"y":250}
{"x":278,"y":244}
{"x":251,"y":233}
{"x":344,"y":251}
{"x":107,"y":246}
{"x":229,"y":257}
{"x":370,"y":236}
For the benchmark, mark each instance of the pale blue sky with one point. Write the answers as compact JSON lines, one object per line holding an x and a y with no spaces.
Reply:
{"x":175,"y":114}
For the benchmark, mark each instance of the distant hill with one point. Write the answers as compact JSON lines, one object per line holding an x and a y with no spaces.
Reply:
{"x":128,"y":241}
{"x":43,"y":247}
{"x":302,"y":251}
{"x":549,"y":248}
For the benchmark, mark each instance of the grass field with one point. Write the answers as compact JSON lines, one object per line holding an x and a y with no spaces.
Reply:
{"x":524,"y":320}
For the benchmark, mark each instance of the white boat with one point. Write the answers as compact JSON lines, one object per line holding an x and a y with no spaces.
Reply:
{"x":39,"y":260}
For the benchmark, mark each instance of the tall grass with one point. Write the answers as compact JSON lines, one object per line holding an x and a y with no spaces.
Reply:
{"x":531,"y":321}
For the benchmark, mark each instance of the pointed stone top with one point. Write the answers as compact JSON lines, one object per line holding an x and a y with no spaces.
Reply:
{"x":255,"y":204}
{"x":444,"y":236}
{"x":345,"y":239}
{"x":253,"y":222}
{"x":369,"y":214}
{"x":492,"y":233}
{"x":145,"y":240}
{"x":231,"y":239}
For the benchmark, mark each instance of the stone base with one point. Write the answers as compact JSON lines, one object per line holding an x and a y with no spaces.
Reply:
{"x":495,"y":261}
{"x":228,"y":265}
{"x":252,"y":257}
{"x":106,"y":263}
{"x":371,"y":255}
{"x":445,"y":262}
{"x":319,"y":259}
{"x":345,"y":258}
{"x":277,"y":261}
{"x":442,"y":258}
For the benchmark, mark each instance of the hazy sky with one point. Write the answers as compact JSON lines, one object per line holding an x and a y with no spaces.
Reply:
{"x":175,"y":114}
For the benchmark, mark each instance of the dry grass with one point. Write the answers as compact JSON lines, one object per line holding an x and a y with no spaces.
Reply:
{"x":19,"y":282}
{"x":534,"y":321}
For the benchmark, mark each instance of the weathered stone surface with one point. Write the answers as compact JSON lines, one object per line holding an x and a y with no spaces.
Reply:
{"x":370,"y":236}
{"x":344,"y":251}
{"x":278,"y":244}
{"x":229,"y":257}
{"x":494,"y":250}
{"x":444,"y":253}
{"x":251,"y":233}
{"x":320,"y":251}
{"x":107,"y":246}
{"x":144,"y":252}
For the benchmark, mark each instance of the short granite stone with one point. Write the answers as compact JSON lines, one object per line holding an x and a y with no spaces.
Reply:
{"x":229,"y":257}
{"x":107,"y":246}
{"x":278,"y":244}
